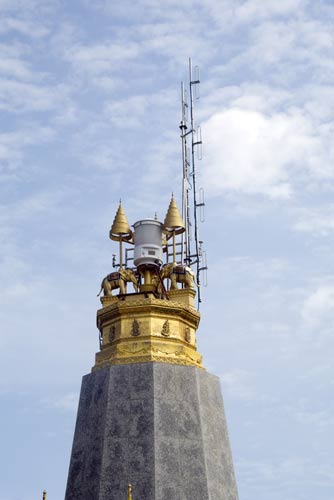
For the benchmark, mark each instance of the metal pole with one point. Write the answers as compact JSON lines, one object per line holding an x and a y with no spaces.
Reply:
{"x":174,"y":248}
{"x":183,"y":128}
{"x":120,"y":254}
{"x":194,"y":177}
{"x":185,"y":189}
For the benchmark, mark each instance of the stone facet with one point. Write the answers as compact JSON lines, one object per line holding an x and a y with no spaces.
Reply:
{"x":160,"y":427}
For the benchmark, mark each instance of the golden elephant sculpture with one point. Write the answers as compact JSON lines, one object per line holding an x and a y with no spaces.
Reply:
{"x":118,"y":279}
{"x":178,"y":274}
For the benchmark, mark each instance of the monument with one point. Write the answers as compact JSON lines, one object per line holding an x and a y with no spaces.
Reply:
{"x":151,"y":421}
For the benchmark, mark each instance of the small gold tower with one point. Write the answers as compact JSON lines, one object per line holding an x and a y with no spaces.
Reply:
{"x":158,"y":320}
{"x":120,"y":231}
{"x":173,"y":224}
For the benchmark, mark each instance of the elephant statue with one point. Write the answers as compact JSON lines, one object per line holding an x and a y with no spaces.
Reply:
{"x":119,"y":280}
{"x":178,"y":274}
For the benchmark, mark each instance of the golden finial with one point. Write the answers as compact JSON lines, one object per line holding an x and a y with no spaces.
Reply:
{"x":44,"y":495}
{"x":173,"y":224}
{"x":129,"y":492}
{"x":120,"y":229}
{"x":173,"y":220}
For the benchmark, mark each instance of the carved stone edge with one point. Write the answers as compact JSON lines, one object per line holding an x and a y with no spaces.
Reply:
{"x":148,"y":304}
{"x":148,"y":359}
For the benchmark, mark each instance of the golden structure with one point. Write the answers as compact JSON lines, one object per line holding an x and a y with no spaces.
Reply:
{"x":158,"y":320}
{"x":120,"y":231}
{"x":173,"y":224}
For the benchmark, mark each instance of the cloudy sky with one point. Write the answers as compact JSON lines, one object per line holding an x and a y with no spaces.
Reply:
{"x":90,"y":107}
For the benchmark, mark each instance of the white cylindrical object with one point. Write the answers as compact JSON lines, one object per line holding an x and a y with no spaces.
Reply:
{"x":148,"y":243}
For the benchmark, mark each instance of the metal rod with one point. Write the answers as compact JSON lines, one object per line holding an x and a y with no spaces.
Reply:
{"x":193,"y":141}
{"x":120,"y":254}
{"x":185,"y":190}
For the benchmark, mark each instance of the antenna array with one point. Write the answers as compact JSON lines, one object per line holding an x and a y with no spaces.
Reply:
{"x":192,"y":202}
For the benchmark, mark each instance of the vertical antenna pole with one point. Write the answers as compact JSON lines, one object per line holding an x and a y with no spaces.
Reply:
{"x":185,"y":243}
{"x":191,"y":83}
{"x":182,"y":127}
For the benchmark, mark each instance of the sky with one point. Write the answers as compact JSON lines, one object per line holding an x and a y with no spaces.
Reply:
{"x":90,"y":110}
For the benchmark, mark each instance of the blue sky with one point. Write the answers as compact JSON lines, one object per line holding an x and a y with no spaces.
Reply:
{"x":89,"y":98}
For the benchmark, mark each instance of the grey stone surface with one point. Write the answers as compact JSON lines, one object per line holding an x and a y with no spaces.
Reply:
{"x":160,"y":427}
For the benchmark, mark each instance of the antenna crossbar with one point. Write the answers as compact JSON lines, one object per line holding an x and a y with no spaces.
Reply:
{"x":190,"y":203}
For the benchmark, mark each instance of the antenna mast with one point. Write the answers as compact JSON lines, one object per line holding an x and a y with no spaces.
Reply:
{"x":195,"y":258}
{"x":185,"y":245}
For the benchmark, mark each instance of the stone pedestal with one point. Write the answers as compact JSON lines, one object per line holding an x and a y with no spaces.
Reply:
{"x":160,"y":427}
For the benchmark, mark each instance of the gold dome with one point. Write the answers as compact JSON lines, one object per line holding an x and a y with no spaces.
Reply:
{"x":120,"y":228}
{"x":173,"y":220}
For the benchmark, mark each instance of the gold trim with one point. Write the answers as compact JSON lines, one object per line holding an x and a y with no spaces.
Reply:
{"x":138,"y":328}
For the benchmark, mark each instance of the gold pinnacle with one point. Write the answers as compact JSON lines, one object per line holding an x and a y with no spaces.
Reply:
{"x":120,"y":229}
{"x":129,"y":492}
{"x":173,"y":220}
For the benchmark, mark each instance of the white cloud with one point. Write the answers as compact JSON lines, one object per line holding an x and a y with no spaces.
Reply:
{"x":318,"y":308}
{"x":42,"y":202}
{"x":239,"y":384}
{"x":21,"y":97}
{"x":23,"y":27}
{"x":231,"y":15}
{"x":318,"y":221}
{"x":15,"y":68}
{"x":21,"y":290}
{"x":254,"y":153}
{"x":127,"y":113}
{"x":25,"y":7}
{"x":255,"y":10}
{"x":100,"y":58}
{"x":66,"y":403}
{"x":130,"y":112}
{"x":318,"y":419}
{"x":13,"y":144}
{"x":286,"y":471}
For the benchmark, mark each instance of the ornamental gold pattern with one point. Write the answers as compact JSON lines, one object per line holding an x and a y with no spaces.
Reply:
{"x":165,"y":329}
{"x":158,"y":320}
{"x":138,"y":328}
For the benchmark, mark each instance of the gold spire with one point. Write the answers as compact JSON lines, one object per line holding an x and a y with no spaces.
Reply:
{"x":120,"y":229}
{"x":129,"y":492}
{"x":173,"y":220}
{"x":44,"y":495}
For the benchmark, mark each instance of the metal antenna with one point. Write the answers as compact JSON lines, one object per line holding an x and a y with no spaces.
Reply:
{"x":185,"y":243}
{"x":189,"y":178}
